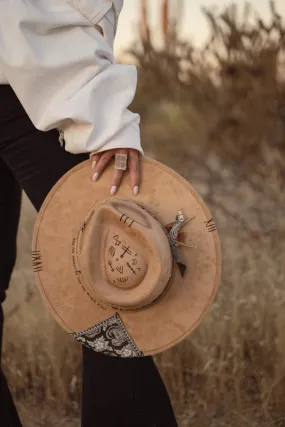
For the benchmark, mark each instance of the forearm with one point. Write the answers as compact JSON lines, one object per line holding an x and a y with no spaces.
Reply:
{"x":63,"y":72}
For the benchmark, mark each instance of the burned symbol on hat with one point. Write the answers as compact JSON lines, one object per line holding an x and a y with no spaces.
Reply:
{"x":211,"y":226}
{"x":120,"y":269}
{"x":127,"y":220}
{"x":126,"y":250}
{"x":117,"y":241}
{"x":112,"y":251}
{"x":37,"y":261}
{"x":123,"y":279}
{"x":111,"y":266}
{"x":131,"y":268}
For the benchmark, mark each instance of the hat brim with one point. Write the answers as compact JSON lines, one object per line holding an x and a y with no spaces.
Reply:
{"x":180,"y":310}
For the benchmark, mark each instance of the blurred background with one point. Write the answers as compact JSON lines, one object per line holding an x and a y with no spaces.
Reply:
{"x":211,"y":95}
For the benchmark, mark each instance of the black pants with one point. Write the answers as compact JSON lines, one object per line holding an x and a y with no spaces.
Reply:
{"x":116,"y":392}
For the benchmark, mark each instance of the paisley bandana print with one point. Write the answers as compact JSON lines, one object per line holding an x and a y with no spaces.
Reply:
{"x":109,"y":337}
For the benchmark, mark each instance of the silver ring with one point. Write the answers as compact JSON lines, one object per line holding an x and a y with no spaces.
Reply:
{"x":121,"y":162}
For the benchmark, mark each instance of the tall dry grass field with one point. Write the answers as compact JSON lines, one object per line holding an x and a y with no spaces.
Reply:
{"x":217,"y":116}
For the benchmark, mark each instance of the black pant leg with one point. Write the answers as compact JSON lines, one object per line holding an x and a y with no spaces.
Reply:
{"x":127,"y":392}
{"x":38,"y":161}
{"x":36,"y":158}
{"x":10,"y":203}
{"x":8,"y":412}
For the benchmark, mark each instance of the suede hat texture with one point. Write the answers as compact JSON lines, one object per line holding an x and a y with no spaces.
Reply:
{"x":128,"y":276}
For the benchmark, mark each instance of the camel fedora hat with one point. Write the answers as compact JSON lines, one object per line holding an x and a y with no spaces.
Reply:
{"x":127,"y":276}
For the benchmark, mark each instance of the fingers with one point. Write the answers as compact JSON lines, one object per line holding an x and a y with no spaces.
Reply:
{"x":116,"y":180}
{"x":101,"y":163}
{"x":134,"y":168}
{"x":94,"y":160}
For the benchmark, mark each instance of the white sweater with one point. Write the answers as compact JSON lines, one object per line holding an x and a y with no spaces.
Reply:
{"x":57,"y":55}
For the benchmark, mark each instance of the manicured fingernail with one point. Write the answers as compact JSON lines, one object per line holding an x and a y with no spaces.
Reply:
{"x":94,"y":164}
{"x":113,"y":190}
{"x":95,"y":176}
{"x":136,"y":190}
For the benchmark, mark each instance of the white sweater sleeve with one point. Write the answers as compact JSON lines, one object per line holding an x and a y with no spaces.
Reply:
{"x":62,"y":69}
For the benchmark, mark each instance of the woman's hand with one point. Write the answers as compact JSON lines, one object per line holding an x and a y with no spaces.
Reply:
{"x":100,"y":161}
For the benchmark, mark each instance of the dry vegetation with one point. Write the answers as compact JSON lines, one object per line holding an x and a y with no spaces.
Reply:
{"x":217,"y":115}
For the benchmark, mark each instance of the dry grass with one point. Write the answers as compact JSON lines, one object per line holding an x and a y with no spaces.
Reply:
{"x":217,"y":116}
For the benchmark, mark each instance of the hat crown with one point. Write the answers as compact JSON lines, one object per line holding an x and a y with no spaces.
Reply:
{"x":124,"y":255}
